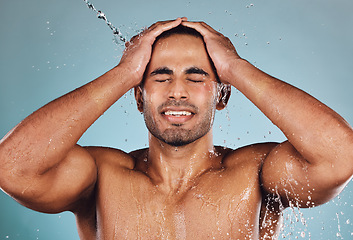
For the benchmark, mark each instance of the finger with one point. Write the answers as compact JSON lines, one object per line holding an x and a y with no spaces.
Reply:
{"x":201,"y":27}
{"x":167,"y":21}
{"x":128,"y":43}
{"x":146,"y":30}
{"x":158,"y":28}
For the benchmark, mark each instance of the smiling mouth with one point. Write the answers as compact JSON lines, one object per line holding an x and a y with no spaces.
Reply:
{"x":178,"y":117}
{"x":177,"y":113}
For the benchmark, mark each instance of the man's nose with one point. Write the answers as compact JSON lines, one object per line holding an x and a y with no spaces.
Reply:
{"x":178,"y":90}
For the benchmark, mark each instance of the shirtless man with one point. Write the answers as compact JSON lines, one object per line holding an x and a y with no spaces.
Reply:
{"x":182,"y":186}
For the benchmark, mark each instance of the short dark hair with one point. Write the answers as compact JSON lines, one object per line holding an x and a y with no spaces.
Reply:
{"x":180,"y":30}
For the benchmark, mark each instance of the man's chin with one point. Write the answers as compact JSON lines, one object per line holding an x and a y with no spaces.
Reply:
{"x":178,"y":137}
{"x":177,"y":143}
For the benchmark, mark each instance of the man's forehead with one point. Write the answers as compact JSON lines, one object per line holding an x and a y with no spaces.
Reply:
{"x":179,"y":48}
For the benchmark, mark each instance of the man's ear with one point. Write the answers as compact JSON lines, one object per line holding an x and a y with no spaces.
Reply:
{"x":224,"y":91}
{"x":138,"y":97}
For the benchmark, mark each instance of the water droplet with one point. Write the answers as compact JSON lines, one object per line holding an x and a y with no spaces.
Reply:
{"x":101,"y":15}
{"x":198,"y":196}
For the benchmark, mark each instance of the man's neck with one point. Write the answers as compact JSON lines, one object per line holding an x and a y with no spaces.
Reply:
{"x":174,"y":169}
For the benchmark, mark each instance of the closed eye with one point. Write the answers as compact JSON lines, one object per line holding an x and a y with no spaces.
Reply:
{"x":162,"y":80}
{"x":195,"y":81}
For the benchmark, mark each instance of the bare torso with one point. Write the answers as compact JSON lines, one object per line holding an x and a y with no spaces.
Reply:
{"x":224,"y":202}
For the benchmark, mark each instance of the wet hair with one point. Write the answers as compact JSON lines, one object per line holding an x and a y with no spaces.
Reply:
{"x":179,"y":30}
{"x":183,"y":30}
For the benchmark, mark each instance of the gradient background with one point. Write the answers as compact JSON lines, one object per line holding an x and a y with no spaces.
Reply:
{"x":51,"y":47}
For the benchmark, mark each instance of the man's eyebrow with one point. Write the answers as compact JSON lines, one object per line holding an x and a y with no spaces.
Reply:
{"x":162,"y":70}
{"x":196,"y":70}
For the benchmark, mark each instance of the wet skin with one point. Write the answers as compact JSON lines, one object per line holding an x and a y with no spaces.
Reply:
{"x":224,"y":201}
{"x":165,"y":192}
{"x":182,"y":186}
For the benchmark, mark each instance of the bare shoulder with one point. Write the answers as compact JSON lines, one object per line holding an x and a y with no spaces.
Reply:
{"x":250,"y":154}
{"x":105,"y":156}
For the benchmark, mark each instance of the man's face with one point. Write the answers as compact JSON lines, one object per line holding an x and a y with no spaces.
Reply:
{"x":180,"y":90}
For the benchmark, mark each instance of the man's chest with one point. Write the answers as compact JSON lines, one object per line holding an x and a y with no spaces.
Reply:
{"x":216,"y":206}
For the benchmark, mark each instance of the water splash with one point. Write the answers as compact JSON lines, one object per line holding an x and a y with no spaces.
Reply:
{"x":118,"y":37}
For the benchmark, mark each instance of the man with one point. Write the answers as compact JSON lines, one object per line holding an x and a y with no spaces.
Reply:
{"x":182,"y":186}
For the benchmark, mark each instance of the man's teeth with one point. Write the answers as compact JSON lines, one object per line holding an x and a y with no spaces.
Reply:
{"x":177,"y":113}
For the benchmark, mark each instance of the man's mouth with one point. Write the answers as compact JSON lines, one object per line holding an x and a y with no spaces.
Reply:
{"x":177,"y":116}
{"x":177,"y":113}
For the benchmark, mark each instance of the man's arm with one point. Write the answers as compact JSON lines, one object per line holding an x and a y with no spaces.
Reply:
{"x":41,"y":165}
{"x":316,"y":162}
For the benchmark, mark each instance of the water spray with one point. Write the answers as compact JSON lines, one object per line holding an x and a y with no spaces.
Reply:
{"x":117,"y":34}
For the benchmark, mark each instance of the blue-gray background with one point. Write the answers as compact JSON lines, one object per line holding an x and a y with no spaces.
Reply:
{"x":51,"y":47}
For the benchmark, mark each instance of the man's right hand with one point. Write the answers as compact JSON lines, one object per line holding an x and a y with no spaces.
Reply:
{"x":220,"y":49}
{"x":138,"y":50}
